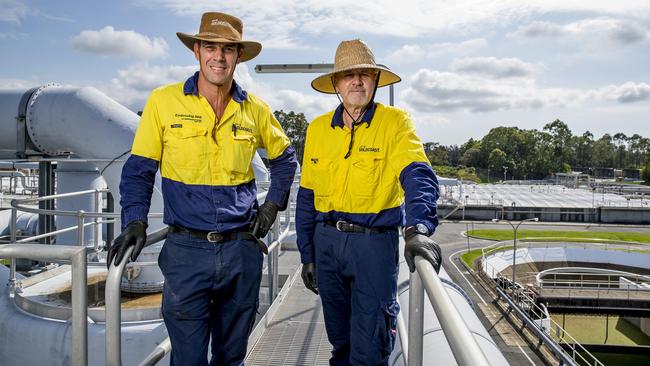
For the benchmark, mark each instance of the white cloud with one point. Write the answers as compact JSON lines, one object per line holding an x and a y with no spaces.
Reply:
{"x":431,"y":91}
{"x":492,"y":67}
{"x":279,"y":24}
{"x":12,"y":11}
{"x":629,"y":92}
{"x":412,"y":53}
{"x":133,"y":85}
{"x":108,"y":41}
{"x":616,"y":31}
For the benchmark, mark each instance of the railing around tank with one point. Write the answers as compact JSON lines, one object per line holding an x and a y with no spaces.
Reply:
{"x":77,"y":255}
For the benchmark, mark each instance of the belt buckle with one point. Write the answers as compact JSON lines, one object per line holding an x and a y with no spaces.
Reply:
{"x":340,"y":225}
{"x":214,"y":237}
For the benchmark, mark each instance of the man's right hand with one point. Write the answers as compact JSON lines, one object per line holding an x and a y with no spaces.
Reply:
{"x":134,"y":235}
{"x":309,"y":277}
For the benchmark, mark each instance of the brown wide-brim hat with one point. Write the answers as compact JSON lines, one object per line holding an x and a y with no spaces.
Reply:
{"x":225,"y":28}
{"x":350,"y":55}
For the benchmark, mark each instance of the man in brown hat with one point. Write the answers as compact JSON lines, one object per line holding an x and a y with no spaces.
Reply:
{"x":203,"y":134}
{"x":364,"y":174}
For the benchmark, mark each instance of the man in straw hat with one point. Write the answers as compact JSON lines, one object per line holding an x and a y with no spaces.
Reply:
{"x":203,"y":134}
{"x":364,"y":174}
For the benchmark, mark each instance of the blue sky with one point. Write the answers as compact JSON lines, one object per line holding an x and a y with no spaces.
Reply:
{"x":467,"y":66}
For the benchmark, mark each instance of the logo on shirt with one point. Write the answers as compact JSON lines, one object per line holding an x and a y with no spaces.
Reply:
{"x":314,"y":160}
{"x":364,"y":148}
{"x":241,"y":128}
{"x":196,"y":118}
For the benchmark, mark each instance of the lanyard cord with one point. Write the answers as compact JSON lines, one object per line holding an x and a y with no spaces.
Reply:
{"x":356,"y":122}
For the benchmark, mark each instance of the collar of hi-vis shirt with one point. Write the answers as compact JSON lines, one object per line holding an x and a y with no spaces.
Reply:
{"x":337,"y":118}
{"x":192,"y":87}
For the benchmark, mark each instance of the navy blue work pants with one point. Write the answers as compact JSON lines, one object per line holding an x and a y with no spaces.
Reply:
{"x":357,"y":281}
{"x":211,"y":290}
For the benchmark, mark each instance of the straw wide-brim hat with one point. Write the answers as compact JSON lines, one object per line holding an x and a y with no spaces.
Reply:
{"x":350,"y":55}
{"x":220,"y":27}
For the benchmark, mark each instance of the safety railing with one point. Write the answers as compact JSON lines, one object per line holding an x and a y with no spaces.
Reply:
{"x":77,"y":255}
{"x":463,"y":344}
{"x":98,"y":218}
{"x":522,"y":301}
{"x":113,"y":299}
{"x":113,"y":351}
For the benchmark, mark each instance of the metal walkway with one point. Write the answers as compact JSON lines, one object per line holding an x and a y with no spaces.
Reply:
{"x":293,"y":332}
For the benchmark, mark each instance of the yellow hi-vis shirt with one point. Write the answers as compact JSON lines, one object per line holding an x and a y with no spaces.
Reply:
{"x":183,"y":134}
{"x":207,"y":178}
{"x":367,"y":182}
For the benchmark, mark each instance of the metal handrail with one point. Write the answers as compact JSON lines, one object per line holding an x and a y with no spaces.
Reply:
{"x":77,"y":255}
{"x":463,"y":344}
{"x":18,"y":204}
{"x":113,"y":299}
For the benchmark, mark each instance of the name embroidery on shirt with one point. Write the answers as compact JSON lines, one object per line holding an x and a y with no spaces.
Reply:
{"x":364,"y":148}
{"x":189,"y":117}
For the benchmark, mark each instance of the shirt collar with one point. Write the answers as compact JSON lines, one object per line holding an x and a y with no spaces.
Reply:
{"x":192,"y":87}
{"x":337,"y":119}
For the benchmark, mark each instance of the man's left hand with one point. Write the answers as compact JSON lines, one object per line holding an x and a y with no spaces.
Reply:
{"x":426,"y":248}
{"x":266,"y":214}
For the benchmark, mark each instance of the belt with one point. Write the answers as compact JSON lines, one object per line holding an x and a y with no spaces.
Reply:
{"x":217,"y":237}
{"x":349,"y":227}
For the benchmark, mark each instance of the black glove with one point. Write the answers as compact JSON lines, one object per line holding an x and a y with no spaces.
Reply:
{"x":134,"y":235}
{"x":309,"y":277}
{"x":418,"y":244}
{"x":266,"y":214}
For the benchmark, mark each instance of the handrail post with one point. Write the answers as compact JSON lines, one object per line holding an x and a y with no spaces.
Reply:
{"x":275,"y":256}
{"x":270,"y":269}
{"x":12,"y":268}
{"x":416,"y":320}
{"x":403,"y":334}
{"x":96,"y":219}
{"x":80,"y":228}
{"x":79,"y":309}
{"x":114,"y":311}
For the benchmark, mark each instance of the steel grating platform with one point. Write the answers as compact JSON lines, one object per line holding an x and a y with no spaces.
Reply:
{"x":295,"y":333}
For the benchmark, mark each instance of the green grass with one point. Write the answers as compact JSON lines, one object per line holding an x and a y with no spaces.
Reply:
{"x":473,"y":255}
{"x":590,"y":329}
{"x":556,"y":235}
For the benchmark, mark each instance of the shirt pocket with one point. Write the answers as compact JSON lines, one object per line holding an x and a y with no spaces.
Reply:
{"x":322,"y":178}
{"x":241,"y":154}
{"x":365,"y":174}
{"x":185,"y":147}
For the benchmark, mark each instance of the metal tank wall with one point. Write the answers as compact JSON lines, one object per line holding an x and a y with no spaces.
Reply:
{"x":27,"y":339}
{"x":74,"y":177}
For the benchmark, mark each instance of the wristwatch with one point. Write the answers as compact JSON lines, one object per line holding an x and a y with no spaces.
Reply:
{"x":416,"y":229}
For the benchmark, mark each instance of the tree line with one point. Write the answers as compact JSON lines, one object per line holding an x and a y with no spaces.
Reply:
{"x":523,"y":154}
